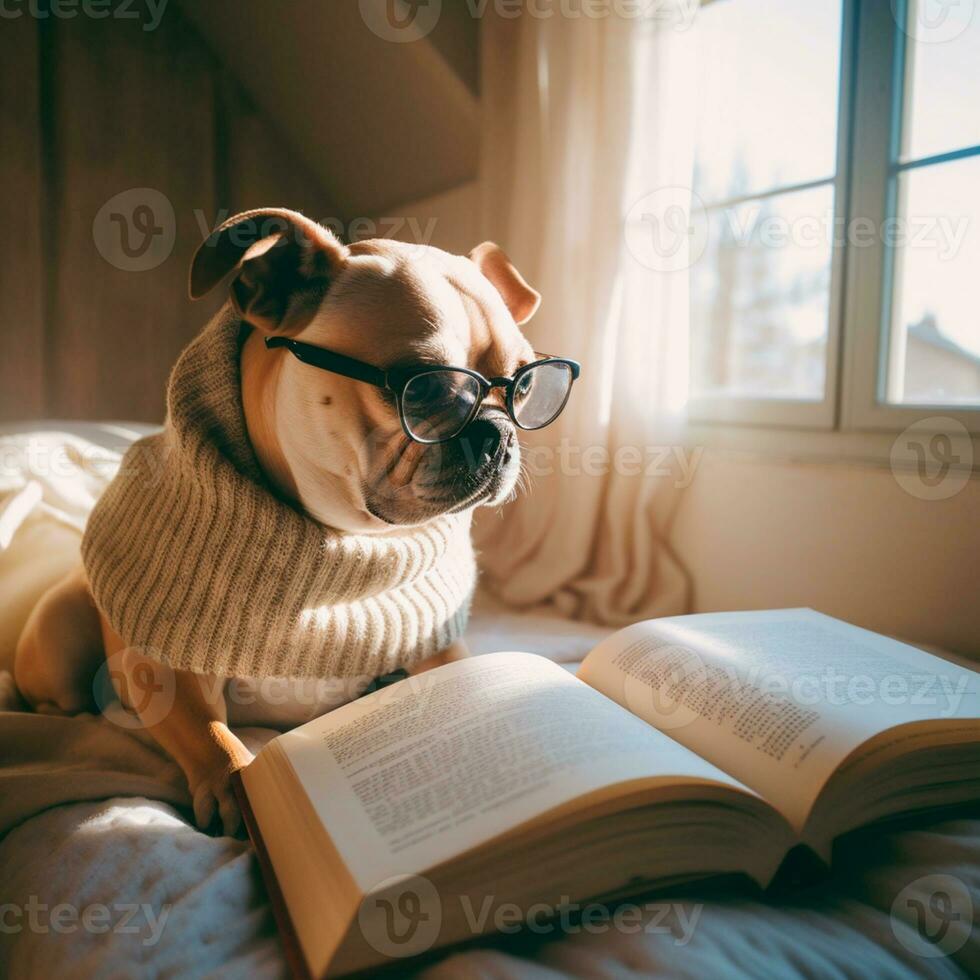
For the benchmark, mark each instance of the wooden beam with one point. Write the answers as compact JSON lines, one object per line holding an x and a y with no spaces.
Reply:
{"x":22,"y":334}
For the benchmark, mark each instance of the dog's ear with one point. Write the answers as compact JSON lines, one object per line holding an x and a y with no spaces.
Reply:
{"x":518,"y":296}
{"x":285,"y":263}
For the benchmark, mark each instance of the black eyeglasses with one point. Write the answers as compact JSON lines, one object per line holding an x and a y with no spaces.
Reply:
{"x":436,"y":403}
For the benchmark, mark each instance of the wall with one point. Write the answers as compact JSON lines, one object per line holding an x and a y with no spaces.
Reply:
{"x":449,"y":221}
{"x":845,"y":539}
{"x":379,"y":120}
{"x":95,"y":108}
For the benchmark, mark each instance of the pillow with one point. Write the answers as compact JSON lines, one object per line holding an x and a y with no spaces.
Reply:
{"x":50,"y":479}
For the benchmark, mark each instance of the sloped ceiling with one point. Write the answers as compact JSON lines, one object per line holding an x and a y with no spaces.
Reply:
{"x":380,"y":123}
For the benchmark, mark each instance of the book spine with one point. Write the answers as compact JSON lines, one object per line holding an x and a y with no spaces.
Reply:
{"x":295,"y":959}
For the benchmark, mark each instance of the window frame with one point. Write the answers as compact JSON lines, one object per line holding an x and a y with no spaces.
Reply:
{"x":850,"y":419}
{"x":880,"y":89}
{"x":798,"y":413}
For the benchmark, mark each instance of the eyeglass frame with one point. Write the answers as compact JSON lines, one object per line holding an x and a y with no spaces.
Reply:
{"x":396,"y":380}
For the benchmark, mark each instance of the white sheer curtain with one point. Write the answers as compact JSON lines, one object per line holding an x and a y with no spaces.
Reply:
{"x":588,"y":133}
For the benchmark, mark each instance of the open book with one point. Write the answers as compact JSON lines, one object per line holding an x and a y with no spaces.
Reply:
{"x":685,"y":747}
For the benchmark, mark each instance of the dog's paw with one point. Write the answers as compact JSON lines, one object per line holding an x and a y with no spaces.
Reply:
{"x":214,"y":798}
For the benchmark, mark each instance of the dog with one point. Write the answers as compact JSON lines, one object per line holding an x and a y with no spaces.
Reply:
{"x":382,"y":303}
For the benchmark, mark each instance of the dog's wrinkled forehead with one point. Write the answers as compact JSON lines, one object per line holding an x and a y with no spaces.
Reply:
{"x":379,"y":298}
{"x":423,"y":304}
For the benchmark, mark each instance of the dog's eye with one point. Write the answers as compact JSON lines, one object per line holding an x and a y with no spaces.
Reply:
{"x":433,"y":387}
{"x":523,"y":386}
{"x":437,"y":405}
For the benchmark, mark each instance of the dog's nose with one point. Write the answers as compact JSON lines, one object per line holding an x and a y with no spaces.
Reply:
{"x":480,"y":443}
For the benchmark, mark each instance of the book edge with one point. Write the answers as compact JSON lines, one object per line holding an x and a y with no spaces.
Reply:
{"x":295,"y":959}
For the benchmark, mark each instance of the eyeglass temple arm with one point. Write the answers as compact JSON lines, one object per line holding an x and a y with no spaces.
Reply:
{"x":328,"y":360}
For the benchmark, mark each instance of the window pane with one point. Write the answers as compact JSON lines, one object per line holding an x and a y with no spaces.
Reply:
{"x":760,"y":298}
{"x":767,"y":99}
{"x":942,"y":78}
{"x":935,"y":349}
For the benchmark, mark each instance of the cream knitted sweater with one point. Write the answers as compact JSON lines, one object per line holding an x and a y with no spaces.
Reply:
{"x":195,"y":562}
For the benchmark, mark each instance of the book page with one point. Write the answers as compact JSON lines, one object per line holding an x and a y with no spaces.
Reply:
{"x":777,"y":699}
{"x":428,"y":768}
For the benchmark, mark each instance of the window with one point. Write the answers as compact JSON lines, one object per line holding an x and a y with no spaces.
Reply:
{"x":837,"y":177}
{"x":767,"y":188}
{"x":933,"y":339}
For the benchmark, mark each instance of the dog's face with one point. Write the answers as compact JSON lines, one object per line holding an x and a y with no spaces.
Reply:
{"x":335,"y":445}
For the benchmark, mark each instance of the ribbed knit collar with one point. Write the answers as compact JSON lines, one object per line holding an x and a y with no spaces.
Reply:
{"x":193,"y":559}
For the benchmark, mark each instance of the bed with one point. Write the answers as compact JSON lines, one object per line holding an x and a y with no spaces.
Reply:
{"x":102,"y":872}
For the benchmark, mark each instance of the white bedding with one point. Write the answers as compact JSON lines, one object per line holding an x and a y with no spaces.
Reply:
{"x":95,"y":822}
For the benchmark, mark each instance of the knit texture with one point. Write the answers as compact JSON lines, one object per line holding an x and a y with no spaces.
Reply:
{"x":196,"y":563}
